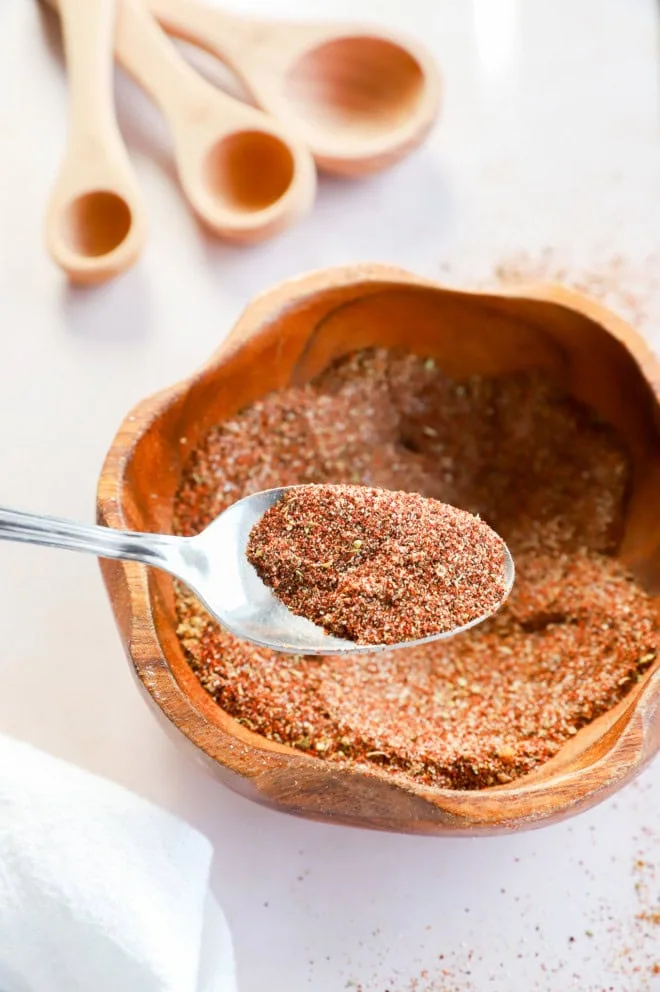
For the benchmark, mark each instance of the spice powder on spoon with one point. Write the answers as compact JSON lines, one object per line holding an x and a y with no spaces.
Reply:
{"x":576,"y":633}
{"x":378,"y":567}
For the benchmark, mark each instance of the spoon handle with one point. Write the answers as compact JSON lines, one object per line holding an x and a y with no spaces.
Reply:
{"x":149,"y":56}
{"x":87,"y":30}
{"x":223,"y":35}
{"x":55,"y":532}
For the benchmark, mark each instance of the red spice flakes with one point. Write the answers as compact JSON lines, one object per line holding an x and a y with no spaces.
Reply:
{"x":541,"y":469}
{"x":650,"y":917}
{"x":375,"y":566}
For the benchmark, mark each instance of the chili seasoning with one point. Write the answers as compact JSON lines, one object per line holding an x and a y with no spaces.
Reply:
{"x":376,"y":566}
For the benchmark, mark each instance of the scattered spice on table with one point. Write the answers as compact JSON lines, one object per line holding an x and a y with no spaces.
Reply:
{"x":376,"y":566}
{"x":611,"y":945}
{"x":541,"y":469}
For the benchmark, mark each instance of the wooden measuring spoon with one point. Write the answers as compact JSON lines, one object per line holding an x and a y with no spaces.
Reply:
{"x":244,"y":174}
{"x":94,"y":226}
{"x":360,"y":98}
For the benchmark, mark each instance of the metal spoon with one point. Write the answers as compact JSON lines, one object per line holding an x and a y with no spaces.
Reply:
{"x":214,"y":566}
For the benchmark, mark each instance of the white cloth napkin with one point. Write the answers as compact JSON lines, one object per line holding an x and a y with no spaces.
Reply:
{"x":100,"y":891}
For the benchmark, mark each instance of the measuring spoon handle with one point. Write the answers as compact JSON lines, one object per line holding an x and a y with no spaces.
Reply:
{"x":87,"y":33}
{"x":226,"y":35}
{"x":151,"y":59}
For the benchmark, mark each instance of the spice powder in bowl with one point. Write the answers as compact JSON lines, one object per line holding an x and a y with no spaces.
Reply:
{"x":378,"y":567}
{"x":540,"y":468}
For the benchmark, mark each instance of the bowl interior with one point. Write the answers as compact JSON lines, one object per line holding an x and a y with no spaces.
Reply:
{"x":466,"y":334}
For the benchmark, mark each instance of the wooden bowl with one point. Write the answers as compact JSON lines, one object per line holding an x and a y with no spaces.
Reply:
{"x":289,"y":335}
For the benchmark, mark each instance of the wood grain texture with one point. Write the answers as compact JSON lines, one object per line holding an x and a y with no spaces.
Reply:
{"x":288,"y":335}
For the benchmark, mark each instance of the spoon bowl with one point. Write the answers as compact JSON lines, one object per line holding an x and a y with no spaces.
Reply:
{"x":96,"y":223}
{"x":230,"y":588}
{"x":363,"y":85}
{"x":249,"y":170}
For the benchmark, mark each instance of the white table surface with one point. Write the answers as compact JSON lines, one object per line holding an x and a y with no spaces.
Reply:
{"x":549,"y":137}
